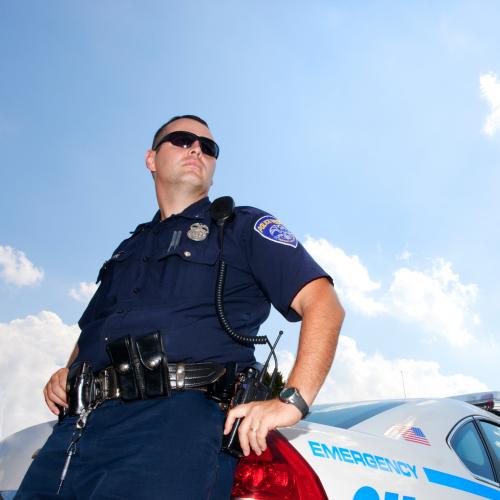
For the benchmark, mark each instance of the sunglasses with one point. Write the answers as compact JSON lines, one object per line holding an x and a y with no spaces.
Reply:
{"x":184,"y":139}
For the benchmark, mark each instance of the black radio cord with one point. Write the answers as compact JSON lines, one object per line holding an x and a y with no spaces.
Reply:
{"x":221,"y":211}
{"x":219,"y":307}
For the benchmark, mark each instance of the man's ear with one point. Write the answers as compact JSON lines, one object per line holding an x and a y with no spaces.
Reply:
{"x":151,"y":160}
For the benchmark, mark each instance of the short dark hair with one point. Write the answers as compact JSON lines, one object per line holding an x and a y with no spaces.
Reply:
{"x":160,"y":131}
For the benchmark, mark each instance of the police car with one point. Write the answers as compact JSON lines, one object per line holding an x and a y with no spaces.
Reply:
{"x":410,"y":449}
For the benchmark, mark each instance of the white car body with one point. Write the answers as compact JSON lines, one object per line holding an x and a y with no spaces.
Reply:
{"x":357,"y":452}
{"x":374,"y":455}
{"x":400,"y":453}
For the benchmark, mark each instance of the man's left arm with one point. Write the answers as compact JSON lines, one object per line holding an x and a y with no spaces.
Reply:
{"x":322,"y":316}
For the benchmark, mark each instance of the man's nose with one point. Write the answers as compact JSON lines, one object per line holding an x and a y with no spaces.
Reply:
{"x":195,"y":148}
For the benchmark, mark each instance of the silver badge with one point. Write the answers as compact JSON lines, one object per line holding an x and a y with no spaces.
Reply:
{"x":198,"y":232}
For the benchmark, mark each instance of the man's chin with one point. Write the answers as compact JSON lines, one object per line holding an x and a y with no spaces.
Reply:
{"x":194,"y":182}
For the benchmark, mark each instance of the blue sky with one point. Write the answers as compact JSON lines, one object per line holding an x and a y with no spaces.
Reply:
{"x":371,"y":130}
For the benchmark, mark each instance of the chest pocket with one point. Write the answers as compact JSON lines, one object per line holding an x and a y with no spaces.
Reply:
{"x":114,"y":267}
{"x":189,"y":270}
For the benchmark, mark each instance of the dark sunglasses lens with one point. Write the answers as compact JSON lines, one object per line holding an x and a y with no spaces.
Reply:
{"x":209,"y":147}
{"x":181,"y":139}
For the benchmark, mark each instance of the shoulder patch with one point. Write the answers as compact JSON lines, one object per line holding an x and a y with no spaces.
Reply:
{"x":272,"y":229}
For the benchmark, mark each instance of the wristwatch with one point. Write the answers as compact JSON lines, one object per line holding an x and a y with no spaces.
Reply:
{"x":291,"y":395}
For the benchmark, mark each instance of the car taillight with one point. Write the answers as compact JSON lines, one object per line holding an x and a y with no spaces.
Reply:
{"x":280,"y":472}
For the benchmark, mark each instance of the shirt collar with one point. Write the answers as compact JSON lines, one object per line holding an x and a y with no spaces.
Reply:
{"x":197,"y":210}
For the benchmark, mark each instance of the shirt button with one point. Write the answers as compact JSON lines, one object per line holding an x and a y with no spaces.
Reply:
{"x":120,"y":311}
{"x":145,"y":258}
{"x":136,"y":290}
{"x":187,"y":254}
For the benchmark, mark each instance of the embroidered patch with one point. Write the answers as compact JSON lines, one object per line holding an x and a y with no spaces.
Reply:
{"x":272,"y":229}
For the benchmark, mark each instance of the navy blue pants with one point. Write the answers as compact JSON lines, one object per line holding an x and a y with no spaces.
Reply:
{"x":165,"y":448}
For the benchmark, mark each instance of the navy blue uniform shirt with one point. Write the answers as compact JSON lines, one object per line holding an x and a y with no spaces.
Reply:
{"x":163,"y":278}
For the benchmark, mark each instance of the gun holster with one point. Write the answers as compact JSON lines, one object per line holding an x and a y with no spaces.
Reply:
{"x":80,"y":390}
{"x":141,"y":366}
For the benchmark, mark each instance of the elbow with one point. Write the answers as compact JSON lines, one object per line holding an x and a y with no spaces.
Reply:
{"x":339,"y":315}
{"x":338,"y":309}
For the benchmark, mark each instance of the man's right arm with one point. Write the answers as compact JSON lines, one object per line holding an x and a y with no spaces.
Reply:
{"x":54,"y":391}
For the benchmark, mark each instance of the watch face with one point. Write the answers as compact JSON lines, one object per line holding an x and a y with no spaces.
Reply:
{"x":287,"y":393}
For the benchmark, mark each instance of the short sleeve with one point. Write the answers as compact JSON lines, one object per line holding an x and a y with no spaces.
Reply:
{"x":280,"y":265}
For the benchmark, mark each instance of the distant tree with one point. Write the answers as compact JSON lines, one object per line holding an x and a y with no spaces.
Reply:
{"x":278,"y":385}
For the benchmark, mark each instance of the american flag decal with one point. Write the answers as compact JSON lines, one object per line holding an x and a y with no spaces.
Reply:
{"x":413,"y":434}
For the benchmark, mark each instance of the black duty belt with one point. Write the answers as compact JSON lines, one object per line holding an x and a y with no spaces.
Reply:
{"x":182,"y":376}
{"x":88,"y":390}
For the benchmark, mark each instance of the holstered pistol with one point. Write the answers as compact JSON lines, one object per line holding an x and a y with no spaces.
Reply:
{"x":79,"y":389}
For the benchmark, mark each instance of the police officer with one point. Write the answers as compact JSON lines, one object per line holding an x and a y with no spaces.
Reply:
{"x":161,"y":279}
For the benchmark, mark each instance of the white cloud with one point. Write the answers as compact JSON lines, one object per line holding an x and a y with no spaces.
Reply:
{"x":84,"y":291}
{"x":405,"y":255}
{"x":17,"y":269}
{"x":490,"y":90}
{"x":435,"y":299}
{"x":351,"y":277}
{"x":31,"y":349}
{"x":357,"y":376}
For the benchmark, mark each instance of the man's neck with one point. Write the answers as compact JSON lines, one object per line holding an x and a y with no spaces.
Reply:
{"x":176,"y":201}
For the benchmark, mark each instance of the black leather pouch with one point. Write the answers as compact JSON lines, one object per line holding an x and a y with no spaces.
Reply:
{"x":80,"y":388}
{"x":123,"y":355}
{"x":154,"y":365}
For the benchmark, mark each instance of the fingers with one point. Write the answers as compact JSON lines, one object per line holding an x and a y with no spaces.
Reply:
{"x":253,"y":429}
{"x":252,"y":435}
{"x":243,"y":436}
{"x":52,"y":407}
{"x":257,"y":439}
{"x":261,"y":434}
{"x":54,"y":391}
{"x":237,"y":412}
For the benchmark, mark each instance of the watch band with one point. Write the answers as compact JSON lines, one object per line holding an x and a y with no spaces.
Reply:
{"x":291,"y":395}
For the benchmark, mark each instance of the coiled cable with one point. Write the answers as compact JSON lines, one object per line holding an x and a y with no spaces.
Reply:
{"x":219,"y":307}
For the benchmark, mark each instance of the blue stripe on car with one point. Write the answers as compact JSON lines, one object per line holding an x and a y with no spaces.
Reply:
{"x":462,"y":484}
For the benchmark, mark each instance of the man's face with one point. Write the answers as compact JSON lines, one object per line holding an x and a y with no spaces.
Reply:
{"x":183,"y":167}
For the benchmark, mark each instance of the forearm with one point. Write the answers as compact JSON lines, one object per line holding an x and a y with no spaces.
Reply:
{"x":322,"y":320}
{"x":322,"y":317}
